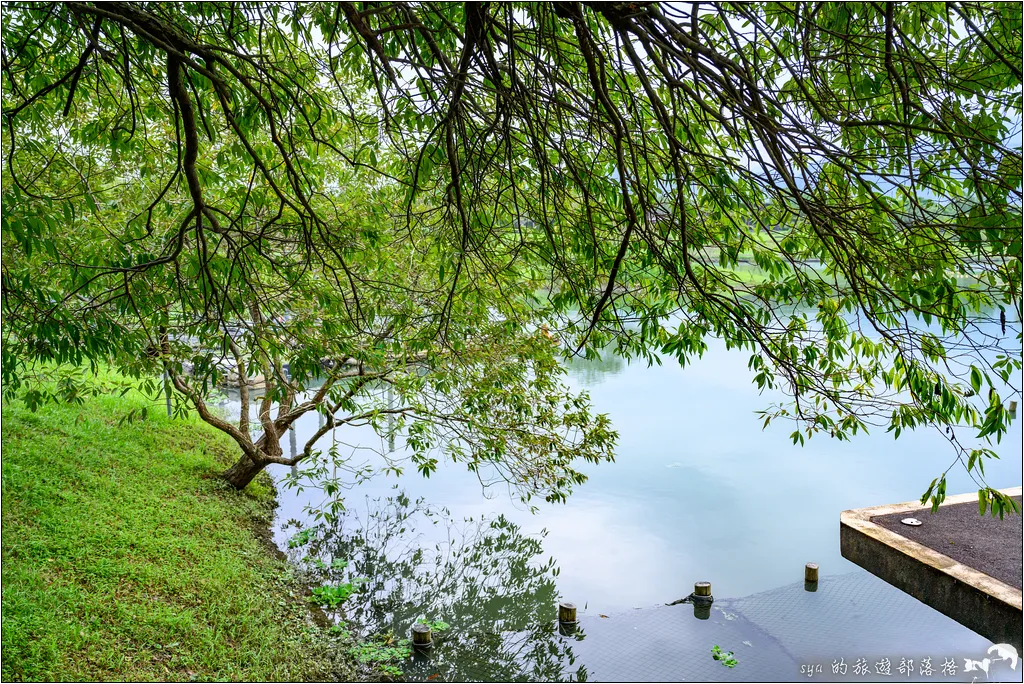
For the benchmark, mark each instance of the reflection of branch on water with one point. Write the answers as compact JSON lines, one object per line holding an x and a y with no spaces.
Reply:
{"x":483,"y":577}
{"x":594,"y":370}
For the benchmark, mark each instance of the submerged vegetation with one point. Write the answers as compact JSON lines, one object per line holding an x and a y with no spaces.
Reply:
{"x":727,"y":658}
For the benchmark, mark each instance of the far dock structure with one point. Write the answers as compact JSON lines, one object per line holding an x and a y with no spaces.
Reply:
{"x":962,"y":564}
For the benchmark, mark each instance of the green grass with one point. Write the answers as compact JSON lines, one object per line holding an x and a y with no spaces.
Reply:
{"x":125,"y":559}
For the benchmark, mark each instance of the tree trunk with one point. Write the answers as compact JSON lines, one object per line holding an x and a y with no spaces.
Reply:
{"x":242,"y":473}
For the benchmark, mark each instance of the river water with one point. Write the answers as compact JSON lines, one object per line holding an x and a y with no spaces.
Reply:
{"x":698,"y":491}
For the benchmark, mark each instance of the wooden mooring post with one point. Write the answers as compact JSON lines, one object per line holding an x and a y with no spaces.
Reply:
{"x":421,"y":636}
{"x":702,"y":600}
{"x":811,"y":577}
{"x":567,"y":618}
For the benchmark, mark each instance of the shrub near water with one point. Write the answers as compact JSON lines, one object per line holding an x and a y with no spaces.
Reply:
{"x":123,"y":559}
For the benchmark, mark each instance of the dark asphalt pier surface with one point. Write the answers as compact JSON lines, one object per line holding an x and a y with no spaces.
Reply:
{"x":987,"y":544}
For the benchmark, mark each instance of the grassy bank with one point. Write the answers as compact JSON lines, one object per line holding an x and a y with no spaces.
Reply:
{"x":124,"y":558}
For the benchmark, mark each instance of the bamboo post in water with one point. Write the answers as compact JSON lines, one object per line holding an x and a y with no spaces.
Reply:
{"x":292,"y":446}
{"x":391,"y":421}
{"x":291,"y":429}
{"x":167,"y":392}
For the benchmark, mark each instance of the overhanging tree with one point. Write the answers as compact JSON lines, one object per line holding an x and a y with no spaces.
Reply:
{"x":632,"y":157}
{"x":234,"y":246}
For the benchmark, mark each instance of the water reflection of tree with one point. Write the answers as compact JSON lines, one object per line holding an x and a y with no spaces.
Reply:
{"x":485,"y":578}
{"x":593,"y":371}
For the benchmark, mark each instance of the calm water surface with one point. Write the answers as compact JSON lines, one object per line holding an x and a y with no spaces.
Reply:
{"x":698,"y":491}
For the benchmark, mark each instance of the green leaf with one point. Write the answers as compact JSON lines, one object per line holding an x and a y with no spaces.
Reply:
{"x":976,"y":379}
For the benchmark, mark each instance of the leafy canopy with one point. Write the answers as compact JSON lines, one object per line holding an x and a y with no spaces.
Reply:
{"x":835,"y":188}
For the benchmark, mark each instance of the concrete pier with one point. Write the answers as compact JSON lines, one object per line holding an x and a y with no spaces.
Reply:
{"x":965,"y":565}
